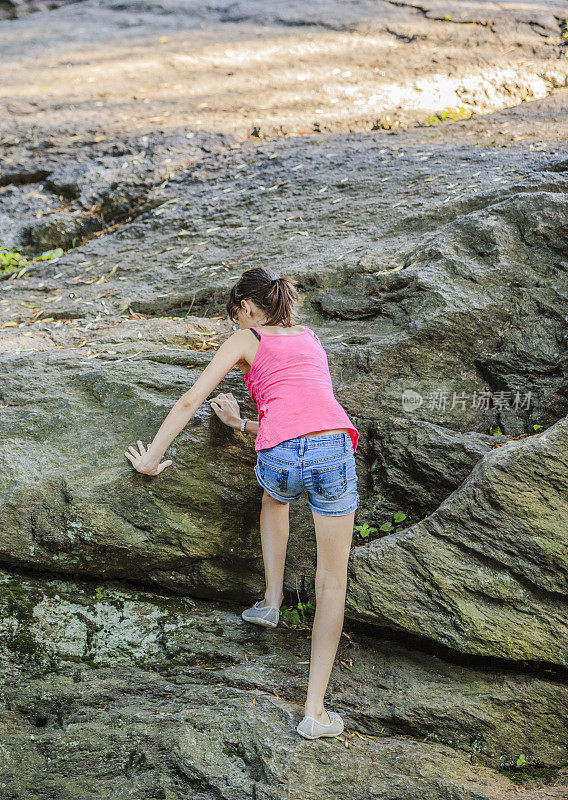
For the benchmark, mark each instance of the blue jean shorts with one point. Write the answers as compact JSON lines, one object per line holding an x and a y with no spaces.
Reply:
{"x":323,"y":464}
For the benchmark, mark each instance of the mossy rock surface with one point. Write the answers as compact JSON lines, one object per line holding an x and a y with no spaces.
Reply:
{"x":141,"y":693}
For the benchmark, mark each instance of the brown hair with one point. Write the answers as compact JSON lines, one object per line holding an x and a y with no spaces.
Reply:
{"x":274,"y":295}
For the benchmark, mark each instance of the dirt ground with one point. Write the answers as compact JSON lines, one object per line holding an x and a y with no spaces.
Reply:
{"x":98,"y":69}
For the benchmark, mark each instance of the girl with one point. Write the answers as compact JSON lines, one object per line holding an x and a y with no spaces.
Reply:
{"x":304,"y":439}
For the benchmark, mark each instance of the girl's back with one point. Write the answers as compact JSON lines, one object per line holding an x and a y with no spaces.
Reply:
{"x":290,"y":382}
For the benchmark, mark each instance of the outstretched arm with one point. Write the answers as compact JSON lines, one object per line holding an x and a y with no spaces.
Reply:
{"x":227,"y":356}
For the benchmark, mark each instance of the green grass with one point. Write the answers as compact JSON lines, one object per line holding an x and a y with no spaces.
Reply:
{"x":13,"y":262}
{"x":446,"y":114}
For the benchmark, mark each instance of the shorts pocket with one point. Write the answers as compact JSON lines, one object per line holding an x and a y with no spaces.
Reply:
{"x":275,"y":478}
{"x":330,"y":482}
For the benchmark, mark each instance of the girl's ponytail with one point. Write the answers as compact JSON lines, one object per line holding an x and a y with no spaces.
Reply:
{"x":276,"y":296}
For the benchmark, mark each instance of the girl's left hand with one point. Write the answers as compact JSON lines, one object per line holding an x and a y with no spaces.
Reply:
{"x":142,"y":463}
{"x":227,"y":409}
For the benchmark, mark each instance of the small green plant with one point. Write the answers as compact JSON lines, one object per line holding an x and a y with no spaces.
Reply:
{"x":50,"y":255}
{"x":101,"y":593}
{"x":495,"y":430}
{"x":536,"y":428}
{"x":453,"y":113}
{"x":394,"y":525}
{"x":364,"y":530}
{"x":11,"y":261}
{"x":294,"y":615}
{"x":523,"y":773}
{"x":564,"y":30}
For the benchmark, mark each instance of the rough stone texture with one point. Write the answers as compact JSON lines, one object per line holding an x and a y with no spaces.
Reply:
{"x":487,"y":572}
{"x":429,"y":258}
{"x":418,"y":464}
{"x":10,"y":9}
{"x":93,"y":515}
{"x":148,"y":695}
{"x":470,"y":307}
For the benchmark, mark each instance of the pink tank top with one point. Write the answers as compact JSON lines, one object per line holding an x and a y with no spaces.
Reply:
{"x":290,"y":382}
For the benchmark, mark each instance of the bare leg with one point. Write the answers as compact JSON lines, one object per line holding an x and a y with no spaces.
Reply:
{"x":274,"y":532}
{"x":334,"y":536}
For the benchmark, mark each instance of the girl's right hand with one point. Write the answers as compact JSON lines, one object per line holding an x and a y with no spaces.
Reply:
{"x":227,"y":409}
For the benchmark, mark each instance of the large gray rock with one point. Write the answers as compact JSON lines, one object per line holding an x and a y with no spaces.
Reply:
{"x":432,"y":261}
{"x":193,"y":528}
{"x":132,"y":694}
{"x":417,"y":464}
{"x":472,"y":307}
{"x":487,"y":572}
{"x":448,"y":316}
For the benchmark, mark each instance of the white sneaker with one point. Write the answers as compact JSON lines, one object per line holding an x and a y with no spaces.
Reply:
{"x":310,"y":728}
{"x":266,"y":616}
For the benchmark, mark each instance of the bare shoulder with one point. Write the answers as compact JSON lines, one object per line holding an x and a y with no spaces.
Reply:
{"x":240,"y":341}
{"x":242,"y":344}
{"x":242,"y":335}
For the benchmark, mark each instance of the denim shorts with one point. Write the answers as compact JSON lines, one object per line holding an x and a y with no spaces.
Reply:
{"x":323,"y":464}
